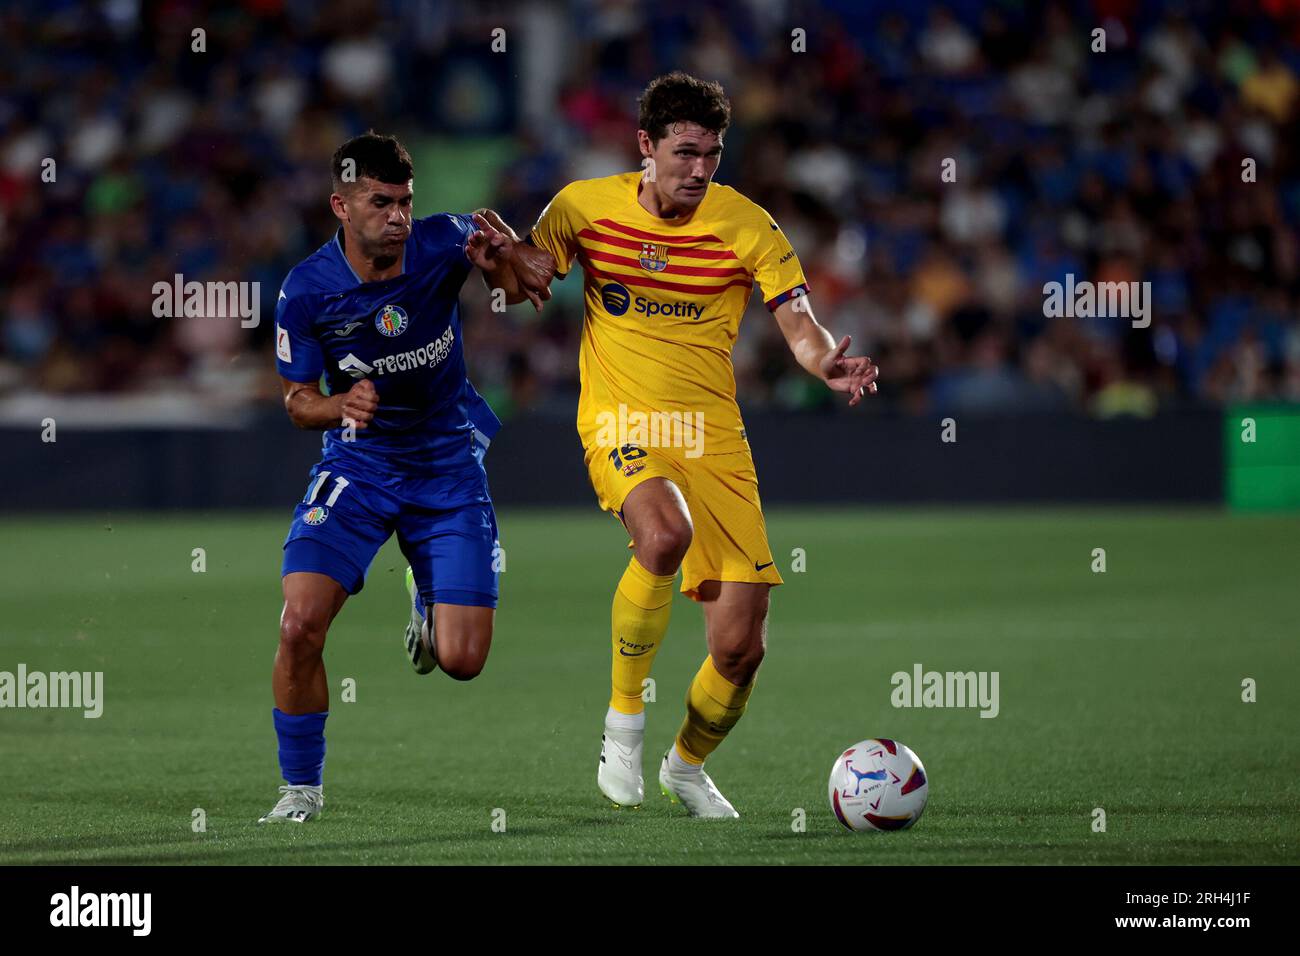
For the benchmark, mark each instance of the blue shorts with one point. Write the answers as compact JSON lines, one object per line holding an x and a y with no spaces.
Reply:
{"x":348,"y":513}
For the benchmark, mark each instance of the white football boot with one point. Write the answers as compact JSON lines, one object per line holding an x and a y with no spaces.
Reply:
{"x":419,"y":633}
{"x":619,"y":772}
{"x":300,"y":804}
{"x":696,"y":792}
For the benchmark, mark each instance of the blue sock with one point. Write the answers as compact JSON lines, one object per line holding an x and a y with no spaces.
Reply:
{"x":302,"y":746}
{"x":419,"y":606}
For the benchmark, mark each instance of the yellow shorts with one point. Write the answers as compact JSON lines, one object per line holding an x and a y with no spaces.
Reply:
{"x":721,"y":492}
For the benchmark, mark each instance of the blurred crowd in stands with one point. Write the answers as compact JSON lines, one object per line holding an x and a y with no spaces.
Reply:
{"x":1170,"y":157}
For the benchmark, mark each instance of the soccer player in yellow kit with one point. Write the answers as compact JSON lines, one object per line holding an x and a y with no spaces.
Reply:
{"x":671,"y":260}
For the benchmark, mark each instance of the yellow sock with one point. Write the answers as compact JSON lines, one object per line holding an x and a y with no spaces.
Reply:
{"x":713,"y":706}
{"x":639,"y":620}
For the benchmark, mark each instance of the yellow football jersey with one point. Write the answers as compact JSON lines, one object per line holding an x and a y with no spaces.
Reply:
{"x":663,"y":308}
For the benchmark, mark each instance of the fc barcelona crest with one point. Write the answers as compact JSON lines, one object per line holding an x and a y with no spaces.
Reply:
{"x":654,"y":257}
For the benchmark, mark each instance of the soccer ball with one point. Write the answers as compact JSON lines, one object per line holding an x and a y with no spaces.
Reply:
{"x":878,"y":784}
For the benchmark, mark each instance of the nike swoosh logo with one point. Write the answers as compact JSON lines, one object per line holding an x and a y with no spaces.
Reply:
{"x":348,"y":329}
{"x":760,"y":567}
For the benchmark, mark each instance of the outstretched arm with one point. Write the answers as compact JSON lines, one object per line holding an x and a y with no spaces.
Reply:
{"x":521,"y":270}
{"x":814,"y":348}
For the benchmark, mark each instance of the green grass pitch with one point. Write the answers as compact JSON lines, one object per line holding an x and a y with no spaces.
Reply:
{"x":1119,"y":690}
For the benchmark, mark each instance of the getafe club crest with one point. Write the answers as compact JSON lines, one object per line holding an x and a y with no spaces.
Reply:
{"x":391,"y":320}
{"x":654,"y":257}
{"x":316,"y":515}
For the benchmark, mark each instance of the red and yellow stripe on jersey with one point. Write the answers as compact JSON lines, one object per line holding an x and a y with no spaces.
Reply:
{"x":664,"y":301}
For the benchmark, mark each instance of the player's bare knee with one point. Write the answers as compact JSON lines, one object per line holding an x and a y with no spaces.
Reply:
{"x":463,"y":652}
{"x":461,"y":669}
{"x":463,"y":664}
{"x":739,"y":662}
{"x":302,"y":633}
{"x":664,"y":546}
{"x":737,"y":654}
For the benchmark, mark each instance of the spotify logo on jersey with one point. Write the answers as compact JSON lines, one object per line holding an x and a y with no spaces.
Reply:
{"x":615,"y":298}
{"x":618,"y":300}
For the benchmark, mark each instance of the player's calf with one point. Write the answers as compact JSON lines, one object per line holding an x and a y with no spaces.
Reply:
{"x":310,"y":603}
{"x":299,"y":675}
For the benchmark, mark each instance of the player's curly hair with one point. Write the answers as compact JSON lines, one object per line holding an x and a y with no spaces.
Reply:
{"x":381,"y":158}
{"x":678,"y":97}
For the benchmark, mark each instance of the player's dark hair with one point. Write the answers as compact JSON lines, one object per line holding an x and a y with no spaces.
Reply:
{"x":380,"y":158}
{"x":678,"y":97}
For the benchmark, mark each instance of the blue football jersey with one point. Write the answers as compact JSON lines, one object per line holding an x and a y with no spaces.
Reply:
{"x":403,"y":334}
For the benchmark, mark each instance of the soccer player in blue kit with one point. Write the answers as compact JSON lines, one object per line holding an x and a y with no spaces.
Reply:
{"x":376,"y":311}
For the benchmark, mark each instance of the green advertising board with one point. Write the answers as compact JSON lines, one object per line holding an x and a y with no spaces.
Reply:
{"x":1262,"y":456}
